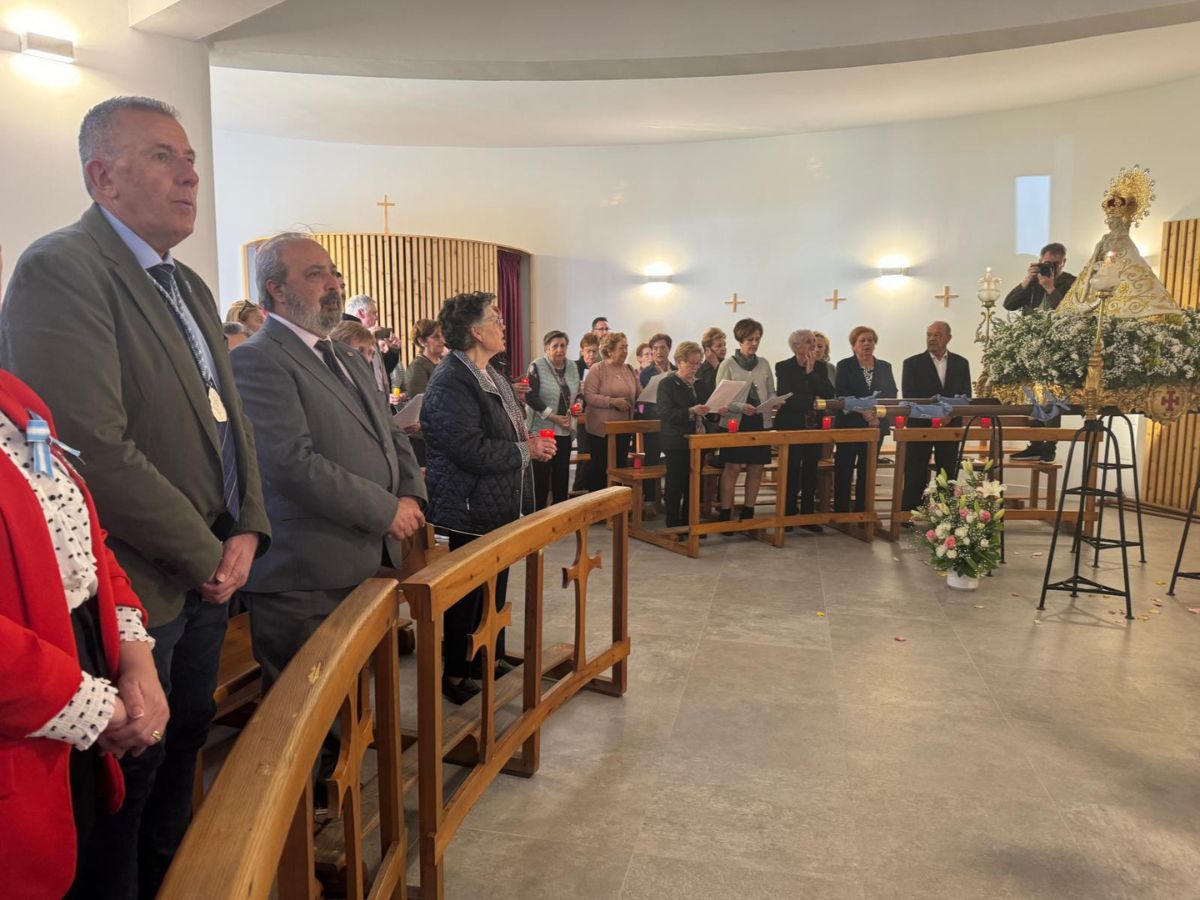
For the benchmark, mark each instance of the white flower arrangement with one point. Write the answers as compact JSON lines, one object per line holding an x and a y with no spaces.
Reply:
{"x":961,"y":520}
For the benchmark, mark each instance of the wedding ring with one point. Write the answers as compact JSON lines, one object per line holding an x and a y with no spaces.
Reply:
{"x":156,"y":735}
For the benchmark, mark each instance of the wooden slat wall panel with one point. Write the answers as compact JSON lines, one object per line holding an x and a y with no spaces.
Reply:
{"x":1172,"y":454}
{"x":409,"y":276}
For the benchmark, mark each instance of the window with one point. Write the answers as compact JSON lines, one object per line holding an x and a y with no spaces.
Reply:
{"x":1033,"y":213}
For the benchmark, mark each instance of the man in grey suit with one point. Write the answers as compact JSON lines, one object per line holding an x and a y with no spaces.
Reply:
{"x":341,"y":483}
{"x":124,"y":344}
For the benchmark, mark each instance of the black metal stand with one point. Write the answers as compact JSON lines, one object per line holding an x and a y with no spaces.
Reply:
{"x":1187,"y":524}
{"x":1098,"y":543}
{"x":995,"y":453}
{"x":1094,"y":432}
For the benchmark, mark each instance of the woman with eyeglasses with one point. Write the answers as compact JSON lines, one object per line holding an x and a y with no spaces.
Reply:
{"x":553,"y":389}
{"x":611,"y":390}
{"x":478,"y":465}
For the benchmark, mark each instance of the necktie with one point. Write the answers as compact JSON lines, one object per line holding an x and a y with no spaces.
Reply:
{"x":164,"y":278}
{"x":326,"y":349}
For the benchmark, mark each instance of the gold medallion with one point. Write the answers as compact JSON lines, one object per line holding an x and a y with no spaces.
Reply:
{"x":215,"y":404}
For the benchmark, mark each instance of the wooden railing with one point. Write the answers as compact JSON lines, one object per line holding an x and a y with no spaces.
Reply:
{"x":254,"y":835}
{"x":468,"y":734}
{"x":255,"y":829}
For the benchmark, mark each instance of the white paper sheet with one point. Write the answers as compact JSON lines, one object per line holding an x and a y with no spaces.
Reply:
{"x":649,"y":393}
{"x":769,"y":406}
{"x":727,"y":392}
{"x":410,"y":412}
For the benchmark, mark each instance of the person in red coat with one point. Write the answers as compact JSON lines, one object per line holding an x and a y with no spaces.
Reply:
{"x":78,"y":687}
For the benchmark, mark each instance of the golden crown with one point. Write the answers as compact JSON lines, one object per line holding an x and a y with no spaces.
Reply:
{"x":1136,"y":188}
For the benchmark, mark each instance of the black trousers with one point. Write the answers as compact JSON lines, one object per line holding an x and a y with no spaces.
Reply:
{"x":463,"y":618}
{"x":803,"y":460}
{"x":84,"y":765}
{"x":130,"y":851}
{"x":677,"y":491}
{"x":551,"y":478}
{"x":850,"y":460}
{"x":582,"y":471}
{"x":916,"y":467}
{"x":599,"y":451}
{"x":651,"y":456}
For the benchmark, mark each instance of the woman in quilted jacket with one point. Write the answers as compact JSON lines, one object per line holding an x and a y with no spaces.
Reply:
{"x":478,"y":473}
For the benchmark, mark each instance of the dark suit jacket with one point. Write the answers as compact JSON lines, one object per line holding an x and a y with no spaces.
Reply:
{"x":805,"y":387}
{"x":84,"y":326}
{"x":919,"y":378}
{"x":332,"y":464}
{"x":852,"y":383}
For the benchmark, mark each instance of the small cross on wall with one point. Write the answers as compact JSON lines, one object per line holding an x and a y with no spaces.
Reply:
{"x":945,"y":296}
{"x":735,"y":302}
{"x":385,"y":204}
{"x":835,"y":299}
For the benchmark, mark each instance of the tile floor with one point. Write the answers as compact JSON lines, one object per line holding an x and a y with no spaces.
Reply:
{"x":777,"y":741}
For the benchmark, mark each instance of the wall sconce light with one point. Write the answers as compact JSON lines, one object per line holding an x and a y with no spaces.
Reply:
{"x":658,"y":279}
{"x":892,"y":271}
{"x":40,"y":45}
{"x":46,"y":47}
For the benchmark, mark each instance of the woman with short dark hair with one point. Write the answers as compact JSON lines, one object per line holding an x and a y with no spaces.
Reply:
{"x":553,"y":389}
{"x":747,"y":366}
{"x":681,"y":414}
{"x":860,"y":375}
{"x":478,"y":455}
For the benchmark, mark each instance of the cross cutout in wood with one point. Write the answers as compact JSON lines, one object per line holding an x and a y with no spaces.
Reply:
{"x":735,"y":302}
{"x":484,"y":639}
{"x":835,"y":299}
{"x":385,"y":204}
{"x":945,"y":296}
{"x":578,"y":572}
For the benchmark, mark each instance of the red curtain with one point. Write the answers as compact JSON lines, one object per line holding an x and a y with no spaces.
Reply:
{"x":508,"y":298}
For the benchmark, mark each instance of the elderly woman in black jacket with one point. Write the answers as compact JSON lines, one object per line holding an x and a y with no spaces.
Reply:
{"x":681,"y":414}
{"x":805,"y":377}
{"x":478,"y":455}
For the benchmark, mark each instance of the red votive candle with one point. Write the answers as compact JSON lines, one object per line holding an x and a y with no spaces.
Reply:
{"x":827,"y":422}
{"x":547,"y":433}
{"x":733,"y":425}
{"x":937,"y":423}
{"x":637,"y":462}
{"x":525,"y":381}
{"x":900,"y":420}
{"x":985,"y":422}
{"x":576,"y":409}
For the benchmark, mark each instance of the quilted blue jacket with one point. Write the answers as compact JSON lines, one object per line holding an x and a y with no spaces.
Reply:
{"x":477,"y":465}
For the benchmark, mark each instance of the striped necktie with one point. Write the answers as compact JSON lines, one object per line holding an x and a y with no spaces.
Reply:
{"x":164,"y":278}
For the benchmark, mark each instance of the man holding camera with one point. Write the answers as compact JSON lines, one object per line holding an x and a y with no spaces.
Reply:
{"x":1043,"y":287}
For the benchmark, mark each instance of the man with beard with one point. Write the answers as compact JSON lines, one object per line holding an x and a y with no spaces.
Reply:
{"x":342,"y":486}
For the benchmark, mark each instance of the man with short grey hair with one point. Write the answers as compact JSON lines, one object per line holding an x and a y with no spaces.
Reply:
{"x":150,"y":402}
{"x":935,"y":372}
{"x":341,"y":482}
{"x":366,"y":311}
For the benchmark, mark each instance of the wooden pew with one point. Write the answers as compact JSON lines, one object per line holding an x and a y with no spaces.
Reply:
{"x":254,"y":834}
{"x":1032,"y":510}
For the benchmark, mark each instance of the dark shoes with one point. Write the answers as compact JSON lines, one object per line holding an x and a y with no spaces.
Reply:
{"x":1033,"y":451}
{"x":814,"y":528}
{"x":1049,"y":451}
{"x":460,"y":693}
{"x":883,"y":461}
{"x":503,"y":668}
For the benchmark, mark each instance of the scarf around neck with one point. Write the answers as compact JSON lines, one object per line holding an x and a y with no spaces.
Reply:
{"x":749,"y":363}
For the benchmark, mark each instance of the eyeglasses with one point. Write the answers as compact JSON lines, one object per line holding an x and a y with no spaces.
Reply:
{"x":498,"y":319}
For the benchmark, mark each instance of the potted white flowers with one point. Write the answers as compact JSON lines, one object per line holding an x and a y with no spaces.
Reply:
{"x":960,"y":522}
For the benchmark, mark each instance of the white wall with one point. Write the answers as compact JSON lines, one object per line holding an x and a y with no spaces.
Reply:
{"x":42,"y":104}
{"x":782,"y":221}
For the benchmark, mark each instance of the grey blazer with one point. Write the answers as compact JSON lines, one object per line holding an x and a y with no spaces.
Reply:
{"x":332,"y":465}
{"x":84,"y":326}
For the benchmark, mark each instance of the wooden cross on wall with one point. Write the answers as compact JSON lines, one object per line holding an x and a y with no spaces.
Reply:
{"x":945,"y":296}
{"x":835,"y":299}
{"x":385,"y":204}
{"x":735,"y":302}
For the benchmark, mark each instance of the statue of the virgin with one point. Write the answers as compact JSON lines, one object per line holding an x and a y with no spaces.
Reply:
{"x":1116,"y":266}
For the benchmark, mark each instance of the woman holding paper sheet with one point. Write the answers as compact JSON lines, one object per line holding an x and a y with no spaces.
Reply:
{"x":745,"y":366}
{"x":860,"y":375}
{"x":681,"y":414}
{"x":427,"y":335}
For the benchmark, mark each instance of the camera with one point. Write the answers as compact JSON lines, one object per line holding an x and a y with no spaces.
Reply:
{"x":1046,"y":270}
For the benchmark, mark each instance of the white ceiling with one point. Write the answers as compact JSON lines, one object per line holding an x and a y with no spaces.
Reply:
{"x":572,"y":72}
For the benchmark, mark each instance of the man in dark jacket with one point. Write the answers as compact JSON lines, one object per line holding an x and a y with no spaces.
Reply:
{"x":936,"y":371}
{"x":806,"y":378}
